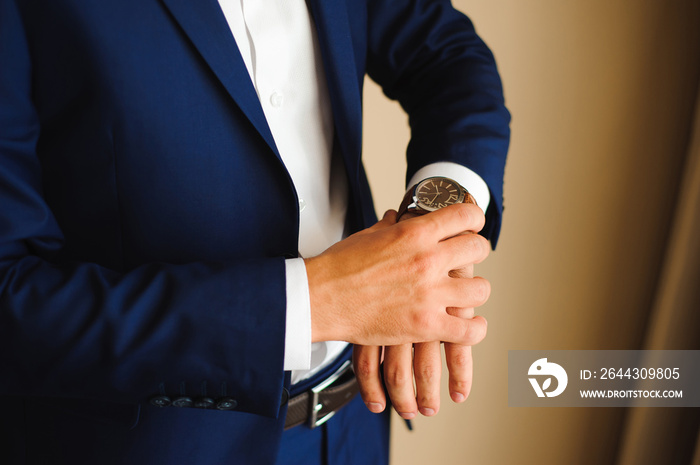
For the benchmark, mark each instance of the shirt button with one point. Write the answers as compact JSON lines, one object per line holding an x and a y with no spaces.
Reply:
{"x":276,"y":99}
{"x":302,"y":205}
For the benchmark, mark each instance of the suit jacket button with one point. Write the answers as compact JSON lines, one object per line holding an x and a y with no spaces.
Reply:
{"x":160,"y":401}
{"x":226,"y":403}
{"x":183,"y":402}
{"x":204,"y":402}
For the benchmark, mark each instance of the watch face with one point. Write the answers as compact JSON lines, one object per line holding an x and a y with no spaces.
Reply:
{"x":435,"y":193}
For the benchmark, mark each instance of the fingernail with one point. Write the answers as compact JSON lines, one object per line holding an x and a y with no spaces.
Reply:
{"x":408,"y":415}
{"x":427,"y":412}
{"x":458,"y":397}
{"x":374,"y":407}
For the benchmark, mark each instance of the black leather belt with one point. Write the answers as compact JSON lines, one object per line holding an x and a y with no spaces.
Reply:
{"x":317,"y":405}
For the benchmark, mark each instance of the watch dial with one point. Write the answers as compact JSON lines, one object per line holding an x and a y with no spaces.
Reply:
{"x":434,"y":193}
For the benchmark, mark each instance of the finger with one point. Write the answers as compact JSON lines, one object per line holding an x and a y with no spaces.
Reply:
{"x":464,"y":272}
{"x":460,"y":365}
{"x":463,"y":250}
{"x":461,"y":312}
{"x":465,"y":292}
{"x":452,"y":220}
{"x":366,"y":361}
{"x":427,"y":368}
{"x":398,"y":377}
{"x":463,"y":331}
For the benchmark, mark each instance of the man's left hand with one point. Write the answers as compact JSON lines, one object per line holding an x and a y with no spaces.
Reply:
{"x":423,"y":361}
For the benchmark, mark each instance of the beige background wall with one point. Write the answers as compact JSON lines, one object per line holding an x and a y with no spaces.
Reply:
{"x":602,"y":95}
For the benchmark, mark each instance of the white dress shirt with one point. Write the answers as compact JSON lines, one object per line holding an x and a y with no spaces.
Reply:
{"x":278,"y":42}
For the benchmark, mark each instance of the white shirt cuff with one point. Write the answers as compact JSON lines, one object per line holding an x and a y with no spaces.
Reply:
{"x":297,"y":337}
{"x":466,"y":177}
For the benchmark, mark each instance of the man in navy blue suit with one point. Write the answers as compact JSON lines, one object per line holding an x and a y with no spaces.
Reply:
{"x":187,"y":237}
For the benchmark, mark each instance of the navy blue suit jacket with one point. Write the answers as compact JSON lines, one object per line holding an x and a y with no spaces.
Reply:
{"x":135,"y":260}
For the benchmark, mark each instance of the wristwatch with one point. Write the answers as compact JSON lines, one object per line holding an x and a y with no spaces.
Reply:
{"x":433,"y":194}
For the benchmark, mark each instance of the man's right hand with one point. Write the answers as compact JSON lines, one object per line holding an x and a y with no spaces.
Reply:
{"x":390,"y":284}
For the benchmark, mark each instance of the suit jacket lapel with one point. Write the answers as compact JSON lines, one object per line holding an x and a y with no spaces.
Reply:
{"x":335,"y":42}
{"x":205,"y":25}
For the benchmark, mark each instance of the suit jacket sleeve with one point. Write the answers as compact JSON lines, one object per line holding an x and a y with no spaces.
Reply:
{"x":78,"y":329}
{"x":428,"y":56}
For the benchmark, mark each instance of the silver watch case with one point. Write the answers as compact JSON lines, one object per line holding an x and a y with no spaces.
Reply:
{"x":443,"y":186}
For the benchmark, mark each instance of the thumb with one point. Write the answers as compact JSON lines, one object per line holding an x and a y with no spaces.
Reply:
{"x":387,"y":220}
{"x":390,"y":217}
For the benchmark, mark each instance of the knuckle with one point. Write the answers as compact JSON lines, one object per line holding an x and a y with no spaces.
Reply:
{"x":424,"y":263}
{"x":477,"y":220}
{"x":428,"y":400}
{"x":421,"y":322}
{"x":481,"y":247}
{"x":460,"y":359}
{"x":462,"y":386}
{"x":396,"y":377}
{"x":428,"y":373}
{"x":472,"y":217}
{"x":480,"y":291}
{"x":411,"y":232}
{"x":364,"y":368}
{"x":464,"y":213}
{"x":476,"y":247}
{"x":476,"y":330}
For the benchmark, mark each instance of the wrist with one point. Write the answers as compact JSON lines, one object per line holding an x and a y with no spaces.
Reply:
{"x":325,"y":326}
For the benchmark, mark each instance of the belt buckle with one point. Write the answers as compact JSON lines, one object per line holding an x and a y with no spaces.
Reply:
{"x":315,"y":406}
